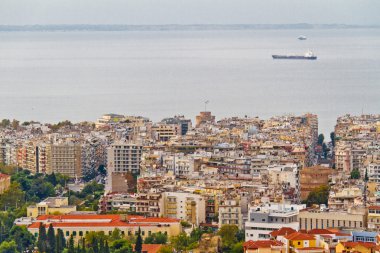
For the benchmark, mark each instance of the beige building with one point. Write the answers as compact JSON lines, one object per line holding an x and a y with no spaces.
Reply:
{"x":315,"y":219}
{"x":185,"y":206}
{"x":5,"y":182}
{"x":78,"y":225}
{"x":66,"y":159}
{"x":51,"y":205}
{"x":230,"y":213}
{"x":374,"y":218}
{"x":204,"y":117}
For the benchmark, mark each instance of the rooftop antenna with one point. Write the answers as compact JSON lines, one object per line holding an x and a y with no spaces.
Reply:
{"x":206,"y":102}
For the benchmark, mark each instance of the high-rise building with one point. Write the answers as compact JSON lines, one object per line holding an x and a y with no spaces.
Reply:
{"x":124,"y":157}
{"x":66,"y":159}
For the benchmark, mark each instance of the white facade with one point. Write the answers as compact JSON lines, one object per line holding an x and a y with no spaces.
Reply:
{"x":284,"y":174}
{"x":185,"y":206}
{"x":230,"y":213}
{"x":269,"y":217}
{"x":124,"y":157}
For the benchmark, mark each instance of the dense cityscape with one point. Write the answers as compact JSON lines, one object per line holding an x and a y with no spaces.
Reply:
{"x":238,"y":184}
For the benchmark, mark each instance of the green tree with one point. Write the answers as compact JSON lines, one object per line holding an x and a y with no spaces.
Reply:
{"x":138,"y":246}
{"x":366,"y":178}
{"x":319,"y":195}
{"x":156,"y":238}
{"x":60,"y":241}
{"x":355,"y":174}
{"x":101,"y":245}
{"x":228,"y":236}
{"x":23,"y":238}
{"x":166,"y":249}
{"x":106,"y":248}
{"x":332,"y":137}
{"x":237,"y":248}
{"x":8,"y":247}
{"x":50,"y":245}
{"x":321,"y":139}
{"x":42,"y":239}
{"x":115,"y":235}
{"x":70,"y":247}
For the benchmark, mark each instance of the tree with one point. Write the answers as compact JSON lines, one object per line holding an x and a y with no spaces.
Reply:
{"x":319,"y":195}
{"x":50,"y":246}
{"x":70,"y":247}
{"x":355,"y":174}
{"x":156,"y":238}
{"x":23,"y":238}
{"x":237,"y":248}
{"x":166,"y":249}
{"x":332,"y":137}
{"x":228,"y":235}
{"x":101,"y":245}
{"x":138,"y":246}
{"x":106,"y":248}
{"x":8,"y":247}
{"x":42,"y":237}
{"x":116,"y":235}
{"x":321,"y":139}
{"x":366,"y":178}
{"x":60,"y":241}
{"x":15,"y":124}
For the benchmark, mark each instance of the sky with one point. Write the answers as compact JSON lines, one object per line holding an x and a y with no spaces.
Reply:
{"x":156,"y":12}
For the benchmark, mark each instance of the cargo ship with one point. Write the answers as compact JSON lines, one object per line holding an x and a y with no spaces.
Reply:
{"x":307,"y":56}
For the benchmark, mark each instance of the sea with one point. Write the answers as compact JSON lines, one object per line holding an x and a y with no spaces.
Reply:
{"x":50,"y":76}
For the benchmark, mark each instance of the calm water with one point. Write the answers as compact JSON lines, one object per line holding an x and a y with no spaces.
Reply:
{"x":52,"y":76}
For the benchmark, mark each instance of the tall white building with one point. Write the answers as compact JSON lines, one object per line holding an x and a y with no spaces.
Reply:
{"x":124,"y":157}
{"x":185,"y":206}
{"x":269,"y":217}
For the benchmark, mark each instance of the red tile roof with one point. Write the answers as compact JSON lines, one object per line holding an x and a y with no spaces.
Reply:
{"x":320,"y":232}
{"x":261,"y":244}
{"x":282,"y":231}
{"x":374,"y":207}
{"x":369,"y":245}
{"x":150,"y":248}
{"x":300,"y":236}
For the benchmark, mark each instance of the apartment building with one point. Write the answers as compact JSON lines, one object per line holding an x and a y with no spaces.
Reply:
{"x":164,"y":132}
{"x":185,"y":206}
{"x":66,"y":159}
{"x":264,"y":219}
{"x":124,"y":157}
{"x":374,"y":218}
{"x":230,"y":213}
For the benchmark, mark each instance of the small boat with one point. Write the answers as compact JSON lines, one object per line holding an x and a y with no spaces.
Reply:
{"x":307,"y":56}
{"x":302,"y":37}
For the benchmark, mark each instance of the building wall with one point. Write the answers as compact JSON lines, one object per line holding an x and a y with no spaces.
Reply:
{"x":310,"y":220}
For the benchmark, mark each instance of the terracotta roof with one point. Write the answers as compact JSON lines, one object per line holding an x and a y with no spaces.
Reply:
{"x":374,"y":207}
{"x":150,"y":248}
{"x":80,"y":217}
{"x":300,"y":236}
{"x":4,"y":175}
{"x":320,"y":232}
{"x":369,"y":245}
{"x":282,"y":231}
{"x":91,"y":224}
{"x":261,"y":244}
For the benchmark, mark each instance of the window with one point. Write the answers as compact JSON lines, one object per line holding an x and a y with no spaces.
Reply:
{"x":299,"y":243}
{"x":80,"y":233}
{"x":74,"y":233}
{"x":67,"y":233}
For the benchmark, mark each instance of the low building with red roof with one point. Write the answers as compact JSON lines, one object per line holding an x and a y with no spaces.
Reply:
{"x":265,"y":246}
{"x":363,"y":247}
{"x":79,"y":225}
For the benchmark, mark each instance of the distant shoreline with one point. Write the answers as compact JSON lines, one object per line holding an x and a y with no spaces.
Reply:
{"x":171,"y":27}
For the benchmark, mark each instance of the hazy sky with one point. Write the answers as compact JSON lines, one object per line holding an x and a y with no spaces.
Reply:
{"x":20,"y":12}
